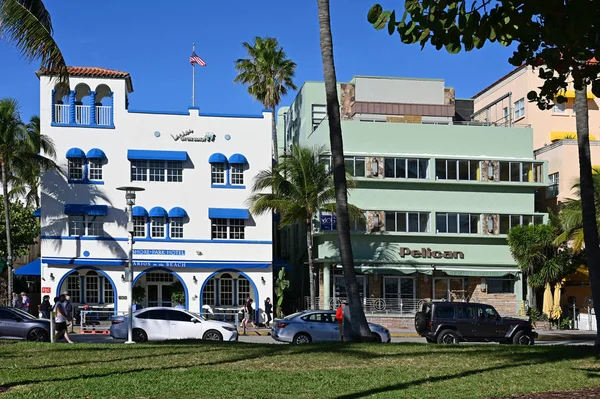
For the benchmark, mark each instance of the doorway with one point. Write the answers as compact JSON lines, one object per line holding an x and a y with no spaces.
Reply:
{"x":399,"y":292}
{"x":449,"y":289}
{"x":158,"y":289}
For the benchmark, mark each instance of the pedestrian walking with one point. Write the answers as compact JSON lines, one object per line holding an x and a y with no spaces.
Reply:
{"x":61,"y":319}
{"x":16,"y":301}
{"x":46,"y":307}
{"x":248,"y":311}
{"x":68,"y":307}
{"x":339,"y":317}
{"x":25,"y":302}
{"x":268,"y":310}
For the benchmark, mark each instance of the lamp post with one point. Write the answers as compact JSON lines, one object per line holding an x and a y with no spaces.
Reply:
{"x":130,"y":199}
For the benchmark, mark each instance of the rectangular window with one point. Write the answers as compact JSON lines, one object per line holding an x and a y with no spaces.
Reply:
{"x":243,"y":290}
{"x":208,"y":295}
{"x":76,"y":225}
{"x":519,"y":108}
{"x":73,"y":288}
{"x":95,"y":226}
{"x":355,"y":166}
{"x":95,"y":170}
{"x":226,"y":292}
{"x":453,"y":169}
{"x":175,"y":171}
{"x":157,"y":170}
{"x":509,"y":221}
{"x":319,"y":112}
{"x":176,"y":230}
{"x":157,"y":227}
{"x":515,"y":171}
{"x":76,"y":169}
{"x":524,"y":172}
{"x":218,"y":173}
{"x":219,"y":229}
{"x":109,"y":295}
{"x":236,"y":229}
{"x":552,"y":190}
{"x":505,"y":115}
{"x":407,"y":222}
{"x":139,"y":226}
{"x":464,"y":223}
{"x":237,"y":174}
{"x":139,"y":170}
{"x":91,"y":289}
{"x":559,"y":109}
{"x":500,"y":286}
{"x":402,"y":168}
{"x":358,"y":225}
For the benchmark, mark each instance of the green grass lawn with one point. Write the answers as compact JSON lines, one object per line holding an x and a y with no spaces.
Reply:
{"x":230,"y":370}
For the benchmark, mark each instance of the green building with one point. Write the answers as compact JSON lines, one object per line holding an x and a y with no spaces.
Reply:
{"x":439,"y":192}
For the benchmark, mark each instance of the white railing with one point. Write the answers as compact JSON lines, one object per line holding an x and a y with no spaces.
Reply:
{"x":96,"y":321}
{"x":103,"y":115}
{"x":61,"y":113}
{"x":82,"y":114}
{"x":373,"y":305}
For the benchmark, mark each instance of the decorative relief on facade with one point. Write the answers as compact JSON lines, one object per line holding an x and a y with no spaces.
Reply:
{"x":374,"y":167}
{"x":490,"y":224}
{"x":347,"y":100}
{"x":375,"y":221}
{"x":449,"y":95}
{"x":490,"y":166}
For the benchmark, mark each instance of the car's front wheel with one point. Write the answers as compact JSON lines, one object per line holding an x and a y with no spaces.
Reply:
{"x":448,"y":337}
{"x":212,"y":335}
{"x":523,"y":338}
{"x":139,"y":335}
{"x":302,"y":338}
{"x":37,"y":335}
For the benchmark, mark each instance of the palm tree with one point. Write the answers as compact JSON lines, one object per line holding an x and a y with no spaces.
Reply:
{"x":268,"y":74}
{"x":27,"y":25}
{"x":300,"y":187}
{"x":20,"y":161}
{"x":360,"y":328}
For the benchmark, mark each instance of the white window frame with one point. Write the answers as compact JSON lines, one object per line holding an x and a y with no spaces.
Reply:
{"x":228,"y":229}
{"x":353,"y":161}
{"x":470,"y":164}
{"x":95,"y":226}
{"x":90,"y":281}
{"x":74,"y":287}
{"x":139,"y":170}
{"x":519,"y":108}
{"x":553,"y":185}
{"x":176,"y":227}
{"x":158,"y":227}
{"x":535,"y":220}
{"x":76,"y":169}
{"x":236,"y":174}
{"x":407,"y":221}
{"x":108,"y":292}
{"x":318,"y":114}
{"x":237,"y":229}
{"x":175,"y":171}
{"x":156,"y":171}
{"x":208,"y":295}
{"x":139,"y":226}
{"x":243,"y":289}
{"x":95,"y":169}
{"x":219,"y":229}
{"x":406,"y":161}
{"x":559,"y":109}
{"x":226,"y":291}
{"x":458,"y":217}
{"x":77,"y":225}
{"x":217,"y":173}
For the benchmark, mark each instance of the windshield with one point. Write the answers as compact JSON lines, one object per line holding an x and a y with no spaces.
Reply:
{"x":197,"y":315}
{"x":23,"y":314}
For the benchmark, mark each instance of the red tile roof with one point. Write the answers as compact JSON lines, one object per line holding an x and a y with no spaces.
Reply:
{"x":95,"y":72}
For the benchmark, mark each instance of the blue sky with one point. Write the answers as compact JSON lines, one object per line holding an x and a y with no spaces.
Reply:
{"x":153,"y":41}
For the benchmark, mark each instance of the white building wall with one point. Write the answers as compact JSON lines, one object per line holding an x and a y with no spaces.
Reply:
{"x":199,"y":256}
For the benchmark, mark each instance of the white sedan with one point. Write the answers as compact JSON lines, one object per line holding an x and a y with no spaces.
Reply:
{"x":159,"y":324}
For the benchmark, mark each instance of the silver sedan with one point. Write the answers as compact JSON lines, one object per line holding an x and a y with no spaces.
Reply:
{"x":316,"y":326}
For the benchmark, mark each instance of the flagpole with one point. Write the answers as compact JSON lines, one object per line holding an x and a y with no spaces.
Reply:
{"x":193,"y":77}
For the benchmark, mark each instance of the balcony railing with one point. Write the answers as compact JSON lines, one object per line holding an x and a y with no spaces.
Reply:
{"x":82,"y":114}
{"x":61,"y":113}
{"x":103,"y":115}
{"x":373,"y":305}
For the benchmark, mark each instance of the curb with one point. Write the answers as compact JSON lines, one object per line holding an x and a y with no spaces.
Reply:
{"x":541,"y":337}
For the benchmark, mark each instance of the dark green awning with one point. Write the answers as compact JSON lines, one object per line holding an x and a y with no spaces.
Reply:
{"x":479,"y":273}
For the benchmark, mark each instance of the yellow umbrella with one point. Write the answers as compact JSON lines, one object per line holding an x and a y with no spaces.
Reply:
{"x":556,"y":310}
{"x":548,"y":302}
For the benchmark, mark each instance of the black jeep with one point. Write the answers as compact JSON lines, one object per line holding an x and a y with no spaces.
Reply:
{"x":453,"y":322}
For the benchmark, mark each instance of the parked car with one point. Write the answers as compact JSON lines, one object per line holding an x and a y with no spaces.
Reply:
{"x":316,"y":326}
{"x":159,"y":324}
{"x":17,"y":324}
{"x":454,"y":322}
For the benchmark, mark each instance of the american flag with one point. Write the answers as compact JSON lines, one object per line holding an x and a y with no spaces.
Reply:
{"x":194,"y":59}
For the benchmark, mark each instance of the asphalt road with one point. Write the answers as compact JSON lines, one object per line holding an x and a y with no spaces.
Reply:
{"x":97,"y":338}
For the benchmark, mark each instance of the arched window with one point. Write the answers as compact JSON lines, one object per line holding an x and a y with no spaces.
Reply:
{"x":243,"y":290}
{"x":208,"y":295}
{"x":61,"y":104}
{"x":109,"y":295}
{"x":92,"y":288}
{"x":82,"y":104}
{"x":73,"y":287}
{"x":104,"y":104}
{"x":226,"y":289}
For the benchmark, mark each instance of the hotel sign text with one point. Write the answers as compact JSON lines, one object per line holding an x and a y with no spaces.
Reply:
{"x":185,"y":136}
{"x":427,"y":253}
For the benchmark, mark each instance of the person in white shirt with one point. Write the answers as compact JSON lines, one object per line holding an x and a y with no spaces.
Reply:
{"x":61,"y":319}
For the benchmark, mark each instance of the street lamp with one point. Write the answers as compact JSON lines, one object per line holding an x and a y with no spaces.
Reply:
{"x":130,"y":198}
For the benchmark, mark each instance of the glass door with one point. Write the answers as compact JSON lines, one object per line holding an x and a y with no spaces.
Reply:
{"x":457,"y":289}
{"x":152,"y":295}
{"x":165,"y":297}
{"x":440,"y":289}
{"x":449,"y":289}
{"x":391,"y":291}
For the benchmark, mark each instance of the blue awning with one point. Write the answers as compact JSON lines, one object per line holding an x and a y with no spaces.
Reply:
{"x":156,"y":155}
{"x":31,"y":269}
{"x":238,"y":158}
{"x":96,"y":153}
{"x":217,"y":157}
{"x":37,"y":213}
{"x":157,"y":212}
{"x":177,"y":212}
{"x":228,"y":213}
{"x":139,"y":211}
{"x":75,"y":153}
{"x":82,"y":209}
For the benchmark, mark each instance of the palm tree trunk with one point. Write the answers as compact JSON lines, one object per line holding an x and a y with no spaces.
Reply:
{"x":590,"y":229}
{"x":275,"y":143}
{"x":360,"y":328}
{"x":311,"y":274}
{"x":8,"y":233}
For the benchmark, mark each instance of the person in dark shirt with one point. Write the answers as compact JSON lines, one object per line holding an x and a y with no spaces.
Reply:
{"x":46,"y":307}
{"x":268,"y":310}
